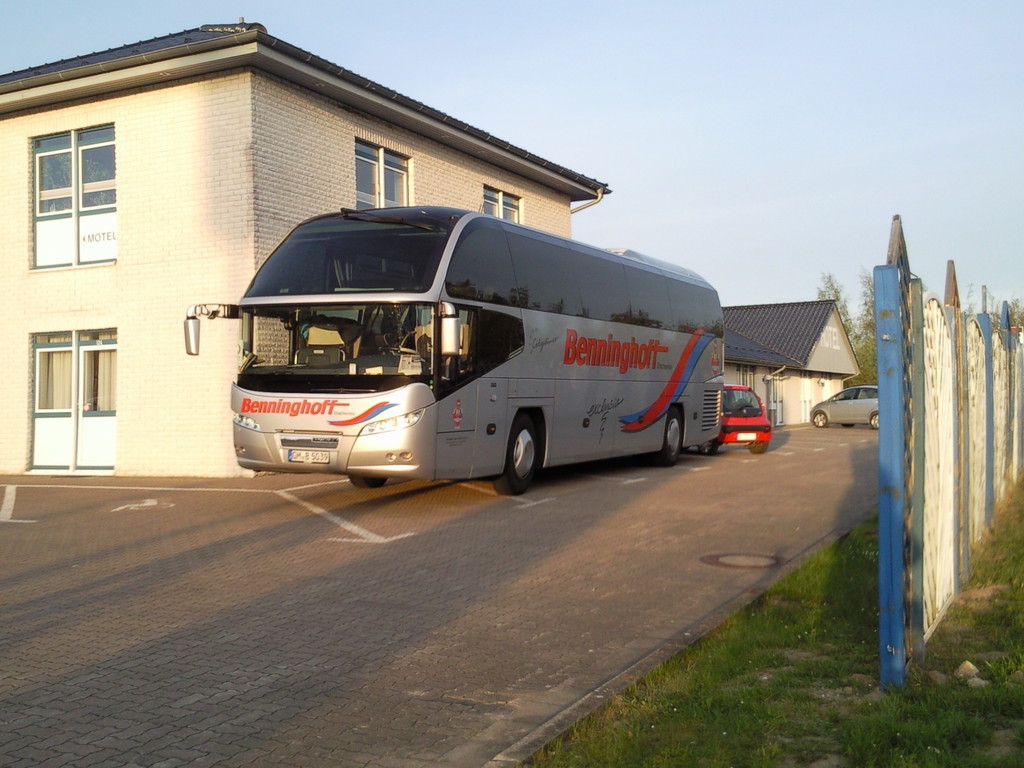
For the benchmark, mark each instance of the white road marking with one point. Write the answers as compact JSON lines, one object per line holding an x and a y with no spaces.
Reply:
{"x":7,"y":506}
{"x":364,"y":536}
{"x":524,"y":503}
{"x":616,"y":479}
{"x":345,"y":481}
{"x":143,"y":504}
{"x":487,"y":490}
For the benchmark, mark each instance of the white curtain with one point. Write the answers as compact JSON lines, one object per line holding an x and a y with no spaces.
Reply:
{"x":54,"y":381}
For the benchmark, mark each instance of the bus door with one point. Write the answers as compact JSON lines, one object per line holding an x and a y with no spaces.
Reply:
{"x":472,"y":430}
{"x":470,"y":420}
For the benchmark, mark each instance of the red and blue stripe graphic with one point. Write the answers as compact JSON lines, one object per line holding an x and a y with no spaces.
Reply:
{"x":635,"y":422}
{"x":366,"y":415}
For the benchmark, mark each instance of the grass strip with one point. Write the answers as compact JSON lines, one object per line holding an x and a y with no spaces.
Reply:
{"x":792,"y":680}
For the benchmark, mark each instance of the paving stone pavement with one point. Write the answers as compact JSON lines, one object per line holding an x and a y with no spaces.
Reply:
{"x":296,"y":621}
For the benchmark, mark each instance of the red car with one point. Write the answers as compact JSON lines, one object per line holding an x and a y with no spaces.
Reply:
{"x":744,"y":421}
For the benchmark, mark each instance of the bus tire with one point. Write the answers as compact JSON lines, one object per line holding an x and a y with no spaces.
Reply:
{"x":672,"y":443}
{"x":365,"y":481}
{"x":520,"y":457}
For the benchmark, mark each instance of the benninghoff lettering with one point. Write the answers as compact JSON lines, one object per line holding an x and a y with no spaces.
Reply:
{"x":587,"y":350}
{"x":291,"y":407}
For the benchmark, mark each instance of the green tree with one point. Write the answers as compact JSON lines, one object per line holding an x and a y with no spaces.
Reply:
{"x":860,"y":327}
{"x":1016,"y":312}
{"x":863,"y":338}
{"x":831,"y":288}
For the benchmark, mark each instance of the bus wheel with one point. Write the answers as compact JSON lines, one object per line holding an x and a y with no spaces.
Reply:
{"x":520,"y":457}
{"x":673,"y":442}
{"x":364,"y":481}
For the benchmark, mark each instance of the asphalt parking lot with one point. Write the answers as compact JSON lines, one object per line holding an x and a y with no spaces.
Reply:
{"x":293,"y":620}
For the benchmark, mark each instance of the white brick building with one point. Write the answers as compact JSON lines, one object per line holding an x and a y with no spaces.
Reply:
{"x":141,"y":180}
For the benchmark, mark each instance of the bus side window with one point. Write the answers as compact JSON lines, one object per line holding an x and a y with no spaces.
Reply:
{"x":501,"y":337}
{"x":648,"y":298}
{"x":481,"y":267}
{"x":546,"y":273}
{"x":602,"y":280}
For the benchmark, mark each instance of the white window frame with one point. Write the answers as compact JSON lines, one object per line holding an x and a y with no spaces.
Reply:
{"x":504,"y":205}
{"x":386,"y":169}
{"x":76,"y":237}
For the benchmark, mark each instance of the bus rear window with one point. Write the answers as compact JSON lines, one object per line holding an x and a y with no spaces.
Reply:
{"x":337,"y":256}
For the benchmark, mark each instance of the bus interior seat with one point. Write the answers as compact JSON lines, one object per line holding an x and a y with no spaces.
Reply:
{"x":352,"y":337}
{"x":324,"y":347}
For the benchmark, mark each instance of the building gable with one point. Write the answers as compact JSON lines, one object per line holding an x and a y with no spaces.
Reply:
{"x":833,"y":352}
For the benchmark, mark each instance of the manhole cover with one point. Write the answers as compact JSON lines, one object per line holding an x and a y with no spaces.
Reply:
{"x":740,"y":560}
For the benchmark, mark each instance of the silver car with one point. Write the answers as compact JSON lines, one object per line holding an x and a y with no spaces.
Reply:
{"x":854,"y":405}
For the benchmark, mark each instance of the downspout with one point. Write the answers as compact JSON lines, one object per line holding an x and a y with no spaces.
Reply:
{"x":600,"y":196}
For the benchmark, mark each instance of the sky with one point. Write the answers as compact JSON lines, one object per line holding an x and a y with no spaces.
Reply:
{"x":762,"y":144}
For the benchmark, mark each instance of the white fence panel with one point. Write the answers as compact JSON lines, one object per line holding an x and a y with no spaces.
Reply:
{"x":940,"y":523}
{"x":976,"y":429}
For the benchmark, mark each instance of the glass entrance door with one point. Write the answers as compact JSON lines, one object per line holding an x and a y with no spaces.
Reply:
{"x":75,"y":417}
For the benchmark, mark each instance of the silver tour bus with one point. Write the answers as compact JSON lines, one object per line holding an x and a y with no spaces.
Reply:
{"x":438,"y":343}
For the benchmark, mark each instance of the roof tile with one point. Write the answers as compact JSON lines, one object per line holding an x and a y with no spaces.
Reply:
{"x":787,"y":330}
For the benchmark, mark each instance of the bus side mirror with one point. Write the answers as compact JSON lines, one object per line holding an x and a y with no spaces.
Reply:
{"x":211,"y":311}
{"x":192,"y":335}
{"x":451,"y":335}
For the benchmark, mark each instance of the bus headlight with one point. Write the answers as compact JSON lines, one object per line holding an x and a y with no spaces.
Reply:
{"x":395,"y":422}
{"x":247,"y":422}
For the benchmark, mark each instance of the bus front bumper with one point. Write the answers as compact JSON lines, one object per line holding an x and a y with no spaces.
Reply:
{"x":400,"y":453}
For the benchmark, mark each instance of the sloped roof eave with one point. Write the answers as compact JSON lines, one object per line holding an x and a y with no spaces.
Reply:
{"x":253,"y":47}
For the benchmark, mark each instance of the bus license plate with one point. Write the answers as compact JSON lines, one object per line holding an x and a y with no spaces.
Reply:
{"x":308,"y":457}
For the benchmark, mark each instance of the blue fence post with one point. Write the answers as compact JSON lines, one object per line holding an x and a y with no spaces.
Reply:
{"x":891,"y":475}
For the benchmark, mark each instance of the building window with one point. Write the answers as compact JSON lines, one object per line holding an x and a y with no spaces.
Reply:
{"x":382,"y":177}
{"x":75,"y":198}
{"x":501,"y":204}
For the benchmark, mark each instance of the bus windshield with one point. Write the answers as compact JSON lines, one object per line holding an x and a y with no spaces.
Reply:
{"x":336,"y":347}
{"x":336,"y":254}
